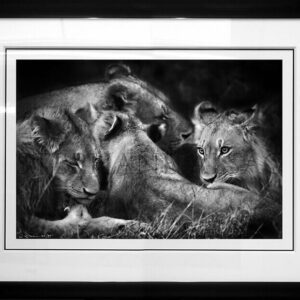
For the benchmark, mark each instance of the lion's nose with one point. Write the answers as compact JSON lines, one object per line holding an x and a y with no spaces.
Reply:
{"x":90,"y":191}
{"x":91,"y":185}
{"x":185,"y":135}
{"x":209,"y":178}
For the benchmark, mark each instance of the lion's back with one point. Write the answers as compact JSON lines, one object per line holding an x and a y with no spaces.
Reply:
{"x":72,"y":98}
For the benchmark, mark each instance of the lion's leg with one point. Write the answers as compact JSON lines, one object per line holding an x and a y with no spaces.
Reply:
{"x":224,"y":185}
{"x":108,"y":225}
{"x":68,"y":227}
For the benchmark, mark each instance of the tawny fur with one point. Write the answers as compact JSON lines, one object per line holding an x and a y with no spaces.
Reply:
{"x":144,"y":181}
{"x":46,"y":185}
{"x":249,"y":163}
{"x":52,"y":194}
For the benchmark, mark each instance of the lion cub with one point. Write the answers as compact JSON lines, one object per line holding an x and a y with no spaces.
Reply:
{"x":230,"y":149}
{"x":56,"y":168}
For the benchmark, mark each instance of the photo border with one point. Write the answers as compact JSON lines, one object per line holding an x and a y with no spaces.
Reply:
{"x":159,"y":48}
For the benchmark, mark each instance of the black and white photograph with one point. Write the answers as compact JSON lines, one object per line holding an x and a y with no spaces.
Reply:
{"x":143,"y":153}
{"x":149,"y":149}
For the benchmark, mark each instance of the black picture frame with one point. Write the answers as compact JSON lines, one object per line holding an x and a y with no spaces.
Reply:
{"x":149,"y":9}
{"x":153,"y":290}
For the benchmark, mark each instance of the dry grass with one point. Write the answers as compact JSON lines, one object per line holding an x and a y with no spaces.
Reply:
{"x":214,"y":226}
{"x":218,"y":225}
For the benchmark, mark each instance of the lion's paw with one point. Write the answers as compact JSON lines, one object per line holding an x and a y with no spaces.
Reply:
{"x":137,"y":225}
{"x":77,"y":218}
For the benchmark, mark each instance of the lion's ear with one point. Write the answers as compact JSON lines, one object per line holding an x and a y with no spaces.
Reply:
{"x":107,"y":126}
{"x":156,"y":131}
{"x":251,"y":118}
{"x":88,"y":113}
{"x":116,"y":71}
{"x":117,"y":99}
{"x":47,"y":133}
{"x":114,"y":127}
{"x":204,"y":113}
{"x":246,"y":119}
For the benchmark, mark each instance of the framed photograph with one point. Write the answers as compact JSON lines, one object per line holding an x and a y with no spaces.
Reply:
{"x":149,"y":152}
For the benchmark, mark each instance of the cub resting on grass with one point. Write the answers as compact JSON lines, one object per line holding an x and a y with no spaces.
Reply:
{"x":231,"y":149}
{"x":143,"y":181}
{"x":56,"y":168}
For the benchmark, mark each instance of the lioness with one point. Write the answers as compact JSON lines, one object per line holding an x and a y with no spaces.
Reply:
{"x":121,"y":91}
{"x":57,"y":174}
{"x":143,"y":181}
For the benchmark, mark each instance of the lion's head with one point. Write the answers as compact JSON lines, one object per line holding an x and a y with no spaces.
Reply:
{"x":132,"y":95}
{"x":230,"y":150}
{"x":110,"y":127}
{"x":68,"y":151}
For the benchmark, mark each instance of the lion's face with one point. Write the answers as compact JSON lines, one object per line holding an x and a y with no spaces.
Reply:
{"x":117,"y":131}
{"x":132,"y":95}
{"x":176,"y":134}
{"x":224,"y":145}
{"x":76,"y":172}
{"x":223,"y":152}
{"x":71,"y":152}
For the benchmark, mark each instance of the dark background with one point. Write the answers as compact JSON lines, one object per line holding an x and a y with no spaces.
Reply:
{"x":230,"y":83}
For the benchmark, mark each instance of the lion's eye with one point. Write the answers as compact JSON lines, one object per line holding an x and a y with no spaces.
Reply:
{"x":78,"y":156}
{"x":163,"y":117}
{"x":200,"y":150}
{"x":224,"y":150}
{"x":165,"y":110}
